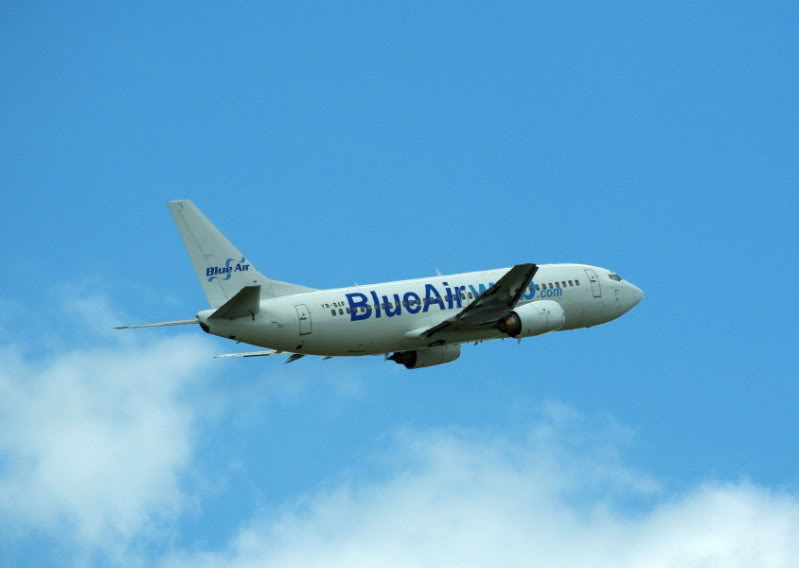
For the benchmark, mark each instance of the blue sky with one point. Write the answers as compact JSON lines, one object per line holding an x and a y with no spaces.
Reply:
{"x":369,"y":142}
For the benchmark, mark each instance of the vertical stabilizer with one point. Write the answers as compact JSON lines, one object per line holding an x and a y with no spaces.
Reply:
{"x":220,"y":267}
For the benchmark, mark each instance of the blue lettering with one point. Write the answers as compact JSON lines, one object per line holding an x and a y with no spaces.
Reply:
{"x":477,"y":291}
{"x":429,"y":292}
{"x":356,"y":301}
{"x":458,"y":294}
{"x":389,"y":311}
{"x":546,"y":293}
{"x":377,"y":304}
{"x":412,"y":301}
{"x":212,"y":272}
{"x":531,"y":294}
{"x":449,"y":297}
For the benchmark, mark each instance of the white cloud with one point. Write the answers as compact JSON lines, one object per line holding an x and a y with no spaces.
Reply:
{"x":97,"y":441}
{"x":95,"y":446}
{"x":462,"y":499}
{"x":93,"y":442}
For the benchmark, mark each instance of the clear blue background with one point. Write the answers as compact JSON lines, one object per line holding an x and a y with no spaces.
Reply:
{"x":371,"y":142}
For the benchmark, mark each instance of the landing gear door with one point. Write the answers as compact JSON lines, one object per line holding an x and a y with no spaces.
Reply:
{"x":305,"y":318}
{"x":596,"y":288}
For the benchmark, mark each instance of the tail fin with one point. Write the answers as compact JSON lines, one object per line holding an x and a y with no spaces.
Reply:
{"x":220,"y":267}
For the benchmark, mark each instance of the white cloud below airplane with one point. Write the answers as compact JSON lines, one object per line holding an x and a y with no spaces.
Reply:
{"x":417,"y":323}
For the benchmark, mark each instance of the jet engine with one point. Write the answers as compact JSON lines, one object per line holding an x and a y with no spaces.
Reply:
{"x":533,"y":318}
{"x":419,"y":358}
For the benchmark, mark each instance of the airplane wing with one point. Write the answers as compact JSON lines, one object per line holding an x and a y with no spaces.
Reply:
{"x":268,"y":353}
{"x":491,"y":305}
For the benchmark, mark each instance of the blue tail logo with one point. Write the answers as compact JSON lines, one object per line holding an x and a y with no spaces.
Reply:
{"x":225,"y":272}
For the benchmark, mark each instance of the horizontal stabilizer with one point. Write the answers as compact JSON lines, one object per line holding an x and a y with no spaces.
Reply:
{"x":246,"y":302}
{"x":160,"y":324}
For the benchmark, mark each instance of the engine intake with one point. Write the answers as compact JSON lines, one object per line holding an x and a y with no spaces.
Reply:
{"x":531,"y":319}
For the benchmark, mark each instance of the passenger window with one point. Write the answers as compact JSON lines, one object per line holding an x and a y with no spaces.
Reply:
{"x":576,"y":282}
{"x":340,"y":312}
{"x":470,"y":295}
{"x":537,"y":287}
{"x":551,"y":286}
{"x":348,"y":310}
{"x":571,"y":283}
{"x":564,"y":284}
{"x":333,"y":312}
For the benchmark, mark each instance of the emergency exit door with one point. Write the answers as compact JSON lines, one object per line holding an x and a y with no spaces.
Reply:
{"x":596,"y":288}
{"x":305,"y":318}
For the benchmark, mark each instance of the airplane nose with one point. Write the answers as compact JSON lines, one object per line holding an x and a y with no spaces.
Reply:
{"x":635,"y":295}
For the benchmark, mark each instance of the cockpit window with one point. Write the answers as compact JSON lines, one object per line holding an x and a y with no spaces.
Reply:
{"x":614,"y":276}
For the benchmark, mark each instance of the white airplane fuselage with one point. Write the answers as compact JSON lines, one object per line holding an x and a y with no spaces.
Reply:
{"x":423,"y":322}
{"x":381,"y":318}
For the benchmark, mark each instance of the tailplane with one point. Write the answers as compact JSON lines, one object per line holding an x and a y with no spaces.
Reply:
{"x":220,"y":267}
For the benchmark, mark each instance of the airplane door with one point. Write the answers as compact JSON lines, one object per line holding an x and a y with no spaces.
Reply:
{"x":305,"y":318}
{"x":596,"y":289}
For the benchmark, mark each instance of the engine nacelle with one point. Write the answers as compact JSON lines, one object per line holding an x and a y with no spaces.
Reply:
{"x":534,"y":318}
{"x":419,"y":358}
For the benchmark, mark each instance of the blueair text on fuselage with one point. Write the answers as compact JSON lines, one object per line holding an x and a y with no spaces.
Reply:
{"x":362,"y":305}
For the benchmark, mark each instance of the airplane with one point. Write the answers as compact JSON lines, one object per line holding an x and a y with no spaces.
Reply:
{"x":415,"y":323}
